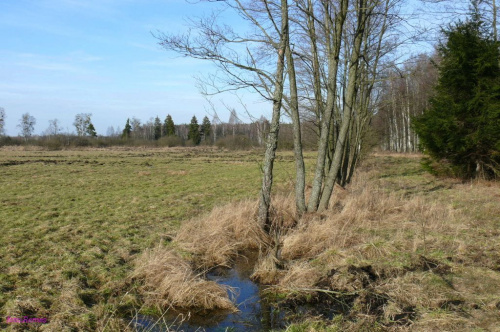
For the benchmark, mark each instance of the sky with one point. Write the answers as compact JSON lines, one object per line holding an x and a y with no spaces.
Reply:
{"x":59,"y":58}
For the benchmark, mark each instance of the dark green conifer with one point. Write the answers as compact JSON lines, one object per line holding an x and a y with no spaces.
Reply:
{"x":194,"y":131}
{"x":127,"y":130}
{"x":91,"y":130}
{"x":157,"y":128}
{"x":169,"y":126}
{"x":206,"y":128}
{"x":462,"y":125}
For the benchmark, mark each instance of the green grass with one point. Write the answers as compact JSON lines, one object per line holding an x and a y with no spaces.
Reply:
{"x":72,"y":221}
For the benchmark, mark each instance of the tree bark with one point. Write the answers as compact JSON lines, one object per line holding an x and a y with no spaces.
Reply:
{"x":333,"y":65}
{"x":300,"y":181}
{"x":348,"y":108}
{"x":272,"y":137}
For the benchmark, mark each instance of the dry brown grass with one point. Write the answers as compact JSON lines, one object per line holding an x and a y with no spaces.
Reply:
{"x":425,"y":259}
{"x":169,"y":281}
{"x":266,"y":271}
{"x":368,"y":222}
{"x":216,"y":238}
{"x":300,"y":275}
{"x":210,"y":240}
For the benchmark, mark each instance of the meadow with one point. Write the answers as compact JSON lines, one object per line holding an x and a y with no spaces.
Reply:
{"x":402,"y":248}
{"x":71,"y":221}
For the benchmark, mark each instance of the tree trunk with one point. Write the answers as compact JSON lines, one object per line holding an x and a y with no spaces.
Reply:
{"x":333,"y":65}
{"x":300,"y":181}
{"x":495,"y":32}
{"x":272,"y":137}
{"x":348,"y":108}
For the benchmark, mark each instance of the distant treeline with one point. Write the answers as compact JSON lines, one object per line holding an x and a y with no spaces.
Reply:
{"x":232,"y":136}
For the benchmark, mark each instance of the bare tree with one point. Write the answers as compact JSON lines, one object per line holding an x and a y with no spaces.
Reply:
{"x":2,"y":121}
{"x":110,"y":132}
{"x":447,"y":11}
{"x":27,"y":125}
{"x":136,"y":127}
{"x":404,"y":94}
{"x":54,"y":128}
{"x":250,"y":66}
{"x":328,"y":64}
{"x":82,"y":122}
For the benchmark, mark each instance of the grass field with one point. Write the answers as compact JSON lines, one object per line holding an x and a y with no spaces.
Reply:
{"x":72,"y":223}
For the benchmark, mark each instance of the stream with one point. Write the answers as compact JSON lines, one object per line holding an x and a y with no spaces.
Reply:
{"x":254,"y":313}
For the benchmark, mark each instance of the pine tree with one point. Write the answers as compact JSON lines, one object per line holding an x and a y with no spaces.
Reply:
{"x":194,"y":131}
{"x":157,"y":128}
{"x":462,"y":125}
{"x":127,"y":130}
{"x":169,"y":126}
{"x":91,"y":130}
{"x":206,"y":128}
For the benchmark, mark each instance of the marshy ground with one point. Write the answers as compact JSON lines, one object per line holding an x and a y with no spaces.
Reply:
{"x":86,"y":236}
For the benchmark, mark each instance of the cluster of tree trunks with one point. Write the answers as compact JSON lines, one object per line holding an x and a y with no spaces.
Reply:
{"x":316,"y":61}
{"x":404,"y":95}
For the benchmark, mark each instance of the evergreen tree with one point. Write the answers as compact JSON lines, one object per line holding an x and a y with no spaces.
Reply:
{"x":462,"y":125}
{"x":169,"y":126}
{"x":91,"y":130}
{"x":157,"y":128}
{"x":194,"y":131}
{"x":127,"y":130}
{"x":206,"y":128}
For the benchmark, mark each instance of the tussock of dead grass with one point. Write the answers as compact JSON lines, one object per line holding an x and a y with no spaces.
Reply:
{"x":266,"y":271}
{"x":401,"y":252}
{"x":300,"y":275}
{"x":370,"y":222}
{"x":169,"y":281}
{"x":216,"y":238}
{"x":211,"y":240}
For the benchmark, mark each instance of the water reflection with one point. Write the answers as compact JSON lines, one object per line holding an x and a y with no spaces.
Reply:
{"x":254,"y":314}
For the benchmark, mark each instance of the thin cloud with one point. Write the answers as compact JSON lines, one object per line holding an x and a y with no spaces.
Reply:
{"x":64,"y":67}
{"x":73,"y":62}
{"x":145,"y":46}
{"x":174,"y":62}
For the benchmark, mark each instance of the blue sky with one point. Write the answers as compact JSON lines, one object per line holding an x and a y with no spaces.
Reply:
{"x":59,"y":58}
